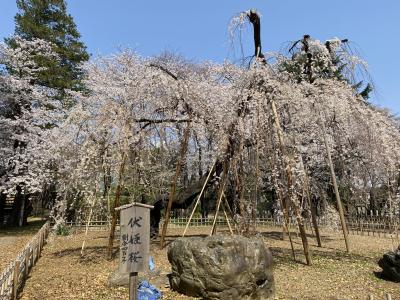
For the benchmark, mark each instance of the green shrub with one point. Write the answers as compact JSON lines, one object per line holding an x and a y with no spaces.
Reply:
{"x":62,"y":230}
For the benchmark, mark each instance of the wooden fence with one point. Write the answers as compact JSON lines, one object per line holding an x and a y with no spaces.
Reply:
{"x":14,"y":275}
{"x":358,"y":226}
{"x":93,"y":225}
{"x":380,"y":228}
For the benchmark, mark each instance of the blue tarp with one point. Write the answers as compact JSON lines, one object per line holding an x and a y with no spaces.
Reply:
{"x":146,"y":291}
{"x":152,"y":266}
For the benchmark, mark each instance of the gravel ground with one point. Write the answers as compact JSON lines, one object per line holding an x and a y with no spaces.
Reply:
{"x":62,"y":273}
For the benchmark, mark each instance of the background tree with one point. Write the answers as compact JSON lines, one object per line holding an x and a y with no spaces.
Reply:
{"x":23,"y":119}
{"x":48,"y":20}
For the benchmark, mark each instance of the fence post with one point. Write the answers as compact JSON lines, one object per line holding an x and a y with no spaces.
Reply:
{"x":372,"y":226}
{"x":361,"y":227}
{"x":33,"y":254}
{"x":41,"y":239}
{"x":15,"y":280}
{"x":388,"y":296}
{"x":379,"y":229}
{"x":2,"y":288}
{"x":38,"y":247}
{"x":26,"y":261}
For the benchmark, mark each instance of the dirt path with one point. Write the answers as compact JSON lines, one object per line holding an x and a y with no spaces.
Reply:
{"x":13,"y":240}
{"x":62,"y":273}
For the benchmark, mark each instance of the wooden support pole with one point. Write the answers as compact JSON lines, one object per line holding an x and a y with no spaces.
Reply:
{"x":214,"y":226}
{"x":225,"y":207}
{"x":198,"y":198}
{"x":335,"y":186}
{"x":227,"y":219}
{"x":286,"y":221}
{"x":88,"y":224}
{"x":133,"y":285}
{"x":178,"y":170}
{"x":220,"y":195}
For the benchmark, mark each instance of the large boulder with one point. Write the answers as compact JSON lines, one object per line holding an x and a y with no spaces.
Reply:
{"x":390,"y":264}
{"x":221,"y":267}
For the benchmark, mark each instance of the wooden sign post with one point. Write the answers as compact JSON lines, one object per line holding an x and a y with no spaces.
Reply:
{"x":134,"y":242}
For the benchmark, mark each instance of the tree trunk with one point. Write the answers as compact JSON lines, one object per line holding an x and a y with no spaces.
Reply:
{"x":312,"y":210}
{"x":3,"y":198}
{"x":114,"y":213}
{"x":16,"y":216}
{"x":289,"y":175}
{"x":315,"y":223}
{"x":178,"y":170}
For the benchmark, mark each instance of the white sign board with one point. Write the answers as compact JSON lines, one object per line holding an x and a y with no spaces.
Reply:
{"x":135,"y":237}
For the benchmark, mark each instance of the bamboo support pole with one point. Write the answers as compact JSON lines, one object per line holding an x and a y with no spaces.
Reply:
{"x":87,"y":225}
{"x":227,"y":208}
{"x":227,"y":219}
{"x":198,"y":198}
{"x":335,"y":186}
{"x":214,"y":225}
{"x":220,"y":195}
{"x":286,"y":222}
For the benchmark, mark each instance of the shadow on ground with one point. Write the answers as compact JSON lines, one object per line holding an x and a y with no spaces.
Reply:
{"x":91,"y":255}
{"x":277,"y":235}
{"x":284,"y":256}
{"x":31,"y":228}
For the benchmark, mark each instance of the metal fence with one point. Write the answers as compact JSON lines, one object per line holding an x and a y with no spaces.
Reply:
{"x":13,"y":276}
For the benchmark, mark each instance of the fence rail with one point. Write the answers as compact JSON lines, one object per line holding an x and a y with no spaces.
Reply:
{"x":13,"y":276}
{"x":93,"y":225}
{"x":356,"y":226}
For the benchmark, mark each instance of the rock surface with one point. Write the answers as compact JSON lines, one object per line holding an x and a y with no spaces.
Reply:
{"x":221,"y":267}
{"x":390,"y":264}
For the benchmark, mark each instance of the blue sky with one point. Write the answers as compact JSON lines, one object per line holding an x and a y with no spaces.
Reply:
{"x":198,"y":29}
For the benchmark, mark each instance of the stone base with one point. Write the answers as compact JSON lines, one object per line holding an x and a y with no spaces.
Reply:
{"x":222,"y":267}
{"x":159,"y":280}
